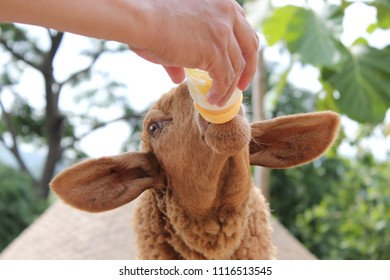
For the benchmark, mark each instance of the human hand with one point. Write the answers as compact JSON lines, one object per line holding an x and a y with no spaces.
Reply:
{"x":211,"y":35}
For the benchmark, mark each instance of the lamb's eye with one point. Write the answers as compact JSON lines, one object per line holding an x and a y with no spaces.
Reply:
{"x":154,"y":127}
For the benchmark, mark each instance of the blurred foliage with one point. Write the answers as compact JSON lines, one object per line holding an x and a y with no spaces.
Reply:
{"x":353,"y":220}
{"x":363,"y":82}
{"x":338,"y":207}
{"x":52,"y":127}
{"x":18,"y":204}
{"x":355,"y":78}
{"x":295,"y":190}
{"x":305,"y":33}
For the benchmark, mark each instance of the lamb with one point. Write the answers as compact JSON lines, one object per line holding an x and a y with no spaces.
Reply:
{"x":198,"y":200}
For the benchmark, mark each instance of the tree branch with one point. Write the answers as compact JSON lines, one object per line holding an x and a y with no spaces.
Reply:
{"x":101,"y":125}
{"x":56,"y":40}
{"x":86,"y":70}
{"x":19,"y":56}
{"x":14,"y":149}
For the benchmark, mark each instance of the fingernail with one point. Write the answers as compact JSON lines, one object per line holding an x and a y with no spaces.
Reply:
{"x":243,"y":85}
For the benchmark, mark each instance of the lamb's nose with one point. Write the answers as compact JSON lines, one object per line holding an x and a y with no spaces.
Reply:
{"x":203,"y":124}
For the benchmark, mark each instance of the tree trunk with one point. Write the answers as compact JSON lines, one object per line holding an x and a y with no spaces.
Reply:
{"x":261,"y":174}
{"x":54,"y":120}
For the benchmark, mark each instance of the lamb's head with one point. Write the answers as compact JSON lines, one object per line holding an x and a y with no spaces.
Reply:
{"x":204,"y":165}
{"x":178,"y":135}
{"x":193,"y":153}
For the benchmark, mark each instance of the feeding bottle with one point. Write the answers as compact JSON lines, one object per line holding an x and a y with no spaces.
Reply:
{"x":199,"y":84}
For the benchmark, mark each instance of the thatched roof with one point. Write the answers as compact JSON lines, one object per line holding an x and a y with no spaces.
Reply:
{"x":65,"y":233}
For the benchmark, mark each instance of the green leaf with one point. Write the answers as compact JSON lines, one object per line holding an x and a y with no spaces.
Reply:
{"x":363,"y":83}
{"x":371,"y":28}
{"x":306,"y":33}
{"x":345,"y":4}
{"x":327,"y":101}
{"x":275,"y":28}
{"x":10,"y":31}
{"x":315,"y":43}
{"x":333,"y":16}
{"x":383,"y":13}
{"x":360,"y":41}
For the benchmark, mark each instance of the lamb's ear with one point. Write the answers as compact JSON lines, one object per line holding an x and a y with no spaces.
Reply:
{"x":293,"y":140}
{"x":106,"y":183}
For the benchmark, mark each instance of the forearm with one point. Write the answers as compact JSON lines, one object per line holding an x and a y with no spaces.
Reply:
{"x":212,"y":35}
{"x":118,"y":20}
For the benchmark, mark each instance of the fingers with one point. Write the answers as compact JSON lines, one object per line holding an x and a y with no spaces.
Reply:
{"x":249,"y":44}
{"x":239,"y":8}
{"x":249,"y":70}
{"x":224,"y":44}
{"x":238,"y":64}
{"x":176,"y":73}
{"x":227,"y":74}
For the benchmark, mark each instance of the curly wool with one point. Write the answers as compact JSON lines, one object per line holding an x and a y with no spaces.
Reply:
{"x":164,"y":230}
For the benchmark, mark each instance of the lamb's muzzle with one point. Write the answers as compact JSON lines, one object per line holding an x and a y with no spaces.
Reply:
{"x":203,"y":124}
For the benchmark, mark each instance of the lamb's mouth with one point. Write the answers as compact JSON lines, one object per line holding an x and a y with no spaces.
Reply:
{"x":226,"y":138}
{"x":203,"y":124}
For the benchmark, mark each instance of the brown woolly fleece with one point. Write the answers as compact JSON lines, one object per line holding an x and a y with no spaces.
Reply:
{"x":198,"y":199}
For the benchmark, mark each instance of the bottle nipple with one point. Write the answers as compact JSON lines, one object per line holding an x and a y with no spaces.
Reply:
{"x":199,"y":84}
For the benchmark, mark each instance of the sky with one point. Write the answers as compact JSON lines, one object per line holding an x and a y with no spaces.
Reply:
{"x":146,"y":81}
